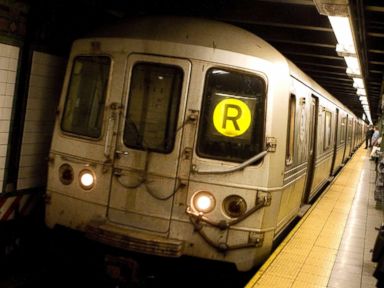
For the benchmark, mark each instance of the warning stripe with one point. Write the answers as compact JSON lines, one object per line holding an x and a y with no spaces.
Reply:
{"x":27,"y":205}
{"x":12,"y":208}
{"x":22,"y":204}
{"x":2,"y":201}
{"x":5,"y":204}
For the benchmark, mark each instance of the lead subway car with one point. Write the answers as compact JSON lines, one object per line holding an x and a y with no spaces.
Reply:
{"x":179,"y":136}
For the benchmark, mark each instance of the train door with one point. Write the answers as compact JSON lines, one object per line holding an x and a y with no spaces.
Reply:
{"x":349,"y":139}
{"x":347,"y":128}
{"x":353,"y":146}
{"x":148,"y":143}
{"x":336,"y":142}
{"x":313,"y":119}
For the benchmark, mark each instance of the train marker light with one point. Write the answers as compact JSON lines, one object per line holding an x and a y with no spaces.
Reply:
{"x":87,"y":179}
{"x":234,"y":206}
{"x":203,"y":201}
{"x":66,"y":174}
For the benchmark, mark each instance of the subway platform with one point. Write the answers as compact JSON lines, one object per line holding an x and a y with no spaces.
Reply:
{"x":332,"y":244}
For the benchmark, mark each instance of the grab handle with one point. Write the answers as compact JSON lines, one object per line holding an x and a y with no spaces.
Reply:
{"x":232,"y":169}
{"x":109,"y":134}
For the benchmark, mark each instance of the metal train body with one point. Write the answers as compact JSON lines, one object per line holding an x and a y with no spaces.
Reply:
{"x":178,"y":136}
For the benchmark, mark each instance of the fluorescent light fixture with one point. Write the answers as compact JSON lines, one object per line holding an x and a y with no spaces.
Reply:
{"x":342,"y":27}
{"x":353,"y":74}
{"x":358,"y":83}
{"x":342,"y":52}
{"x":343,"y":32}
{"x":353,"y":64}
{"x":361,"y":92}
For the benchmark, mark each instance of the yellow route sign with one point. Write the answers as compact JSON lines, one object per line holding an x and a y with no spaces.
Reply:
{"x":232,"y":117}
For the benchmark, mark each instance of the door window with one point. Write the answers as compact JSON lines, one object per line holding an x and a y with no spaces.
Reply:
{"x":291,"y":130}
{"x":327,"y":129}
{"x":152,"y":113}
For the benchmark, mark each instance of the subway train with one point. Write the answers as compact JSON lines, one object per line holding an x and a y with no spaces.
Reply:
{"x":181,"y":136}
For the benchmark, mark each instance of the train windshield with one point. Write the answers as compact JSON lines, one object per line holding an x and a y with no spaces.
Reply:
{"x":233,"y":111}
{"x":154,"y":96}
{"x":84,"y":106}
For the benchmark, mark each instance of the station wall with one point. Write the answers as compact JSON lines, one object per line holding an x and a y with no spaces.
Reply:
{"x":9,"y":56}
{"x":45,"y":82}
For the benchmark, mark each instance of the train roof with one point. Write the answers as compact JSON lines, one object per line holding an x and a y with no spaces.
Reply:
{"x":205,"y":33}
{"x":193,"y":31}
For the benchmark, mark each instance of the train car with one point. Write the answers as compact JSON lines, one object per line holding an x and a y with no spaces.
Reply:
{"x":180,"y":136}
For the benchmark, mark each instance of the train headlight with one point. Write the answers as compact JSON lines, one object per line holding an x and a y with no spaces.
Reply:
{"x":87,"y":179}
{"x":203,"y":201}
{"x":66,"y":174}
{"x":234,"y":206}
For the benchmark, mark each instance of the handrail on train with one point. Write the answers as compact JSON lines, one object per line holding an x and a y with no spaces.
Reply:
{"x":232,"y":169}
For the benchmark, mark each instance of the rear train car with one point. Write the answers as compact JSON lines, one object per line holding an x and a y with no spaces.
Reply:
{"x":179,"y":136}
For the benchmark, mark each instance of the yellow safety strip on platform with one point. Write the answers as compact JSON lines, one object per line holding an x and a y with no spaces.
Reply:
{"x":318,"y":248}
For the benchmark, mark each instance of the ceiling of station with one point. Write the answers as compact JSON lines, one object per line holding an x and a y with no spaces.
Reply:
{"x":295,"y":27}
{"x":299,"y":31}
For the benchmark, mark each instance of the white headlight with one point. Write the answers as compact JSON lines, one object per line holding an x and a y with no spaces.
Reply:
{"x":203,"y":201}
{"x":87,"y":179}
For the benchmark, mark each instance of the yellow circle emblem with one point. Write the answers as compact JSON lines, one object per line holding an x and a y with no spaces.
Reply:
{"x":232,"y":117}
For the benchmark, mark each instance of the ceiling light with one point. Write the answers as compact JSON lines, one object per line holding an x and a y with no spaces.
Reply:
{"x":358,"y":83}
{"x":342,"y":27}
{"x":353,"y":64}
{"x":352,"y":73}
{"x":343,"y":32}
{"x":361,"y":92}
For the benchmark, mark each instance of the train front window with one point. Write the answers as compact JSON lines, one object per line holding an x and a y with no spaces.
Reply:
{"x":84,"y":106}
{"x":232,"y":117}
{"x":154,"y":96}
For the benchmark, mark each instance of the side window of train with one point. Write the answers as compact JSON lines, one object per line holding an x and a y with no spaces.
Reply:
{"x":291,"y":130}
{"x":327,"y":129}
{"x":84,"y":106}
{"x":232,"y":118}
{"x":152,"y":113}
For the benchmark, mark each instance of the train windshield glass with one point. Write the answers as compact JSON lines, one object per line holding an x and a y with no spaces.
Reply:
{"x":83,"y":111}
{"x":232,"y":122}
{"x":154,"y":96}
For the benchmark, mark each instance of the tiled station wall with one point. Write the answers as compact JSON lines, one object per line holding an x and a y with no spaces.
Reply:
{"x":43,"y":94}
{"x":9,"y":56}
